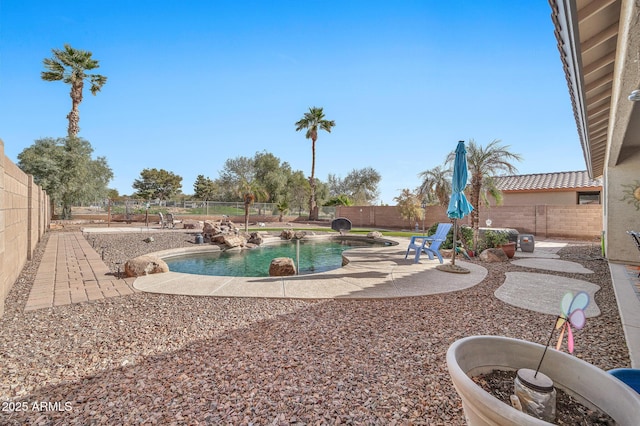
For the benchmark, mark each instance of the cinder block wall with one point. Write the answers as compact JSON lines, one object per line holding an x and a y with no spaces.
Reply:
{"x":24,"y":217}
{"x":568,"y":221}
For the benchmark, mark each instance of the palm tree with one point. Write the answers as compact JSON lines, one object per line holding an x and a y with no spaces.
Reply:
{"x":250,"y":192}
{"x":283,"y":207}
{"x":312,"y":121}
{"x":483,"y":164}
{"x":70,"y":66}
{"x":436,"y":183}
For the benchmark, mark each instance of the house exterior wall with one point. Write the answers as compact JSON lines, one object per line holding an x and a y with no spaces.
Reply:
{"x":619,"y":215}
{"x":24,"y":217}
{"x":539,"y":198}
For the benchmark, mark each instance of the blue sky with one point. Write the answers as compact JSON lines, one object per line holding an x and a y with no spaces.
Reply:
{"x":194,"y":83}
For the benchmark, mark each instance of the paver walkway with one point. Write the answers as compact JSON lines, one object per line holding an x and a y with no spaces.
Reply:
{"x":71,"y":271}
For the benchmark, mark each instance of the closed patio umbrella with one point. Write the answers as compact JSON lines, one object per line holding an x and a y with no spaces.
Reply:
{"x":459,"y":206}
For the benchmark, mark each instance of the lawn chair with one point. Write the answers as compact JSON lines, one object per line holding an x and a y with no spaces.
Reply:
{"x":636,"y":239}
{"x":163,"y":222}
{"x":430,"y":245}
{"x":172,"y":221}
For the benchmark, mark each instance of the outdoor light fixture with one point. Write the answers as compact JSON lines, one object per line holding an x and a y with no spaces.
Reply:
{"x":635,"y":96}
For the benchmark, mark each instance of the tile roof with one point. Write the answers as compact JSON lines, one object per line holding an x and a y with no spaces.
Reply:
{"x":538,"y":181}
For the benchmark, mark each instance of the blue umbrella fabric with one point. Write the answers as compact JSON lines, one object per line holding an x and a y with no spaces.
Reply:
{"x":459,"y":206}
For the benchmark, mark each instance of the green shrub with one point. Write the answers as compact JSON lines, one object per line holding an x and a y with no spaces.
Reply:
{"x":494,"y":239}
{"x":465,"y":231}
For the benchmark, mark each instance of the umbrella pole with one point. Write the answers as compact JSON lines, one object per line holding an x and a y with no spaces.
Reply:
{"x":455,"y":235}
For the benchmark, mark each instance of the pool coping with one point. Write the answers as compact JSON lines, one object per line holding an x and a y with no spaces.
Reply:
{"x":372,"y":272}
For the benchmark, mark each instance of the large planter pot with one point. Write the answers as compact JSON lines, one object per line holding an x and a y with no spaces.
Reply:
{"x":590,"y":385}
{"x":509,"y":249}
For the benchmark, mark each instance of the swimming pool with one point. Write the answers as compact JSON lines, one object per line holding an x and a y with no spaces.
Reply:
{"x":316,"y":255}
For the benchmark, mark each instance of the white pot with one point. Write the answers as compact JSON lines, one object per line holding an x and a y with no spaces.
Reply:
{"x":590,"y":385}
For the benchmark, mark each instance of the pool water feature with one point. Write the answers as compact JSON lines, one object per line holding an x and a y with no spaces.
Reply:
{"x":315,"y":256}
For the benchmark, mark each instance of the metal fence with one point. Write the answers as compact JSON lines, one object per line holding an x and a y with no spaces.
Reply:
{"x":197,"y":208}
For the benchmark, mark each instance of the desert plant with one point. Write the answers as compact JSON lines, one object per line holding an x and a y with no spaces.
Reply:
{"x":464,"y":231}
{"x":493,"y":239}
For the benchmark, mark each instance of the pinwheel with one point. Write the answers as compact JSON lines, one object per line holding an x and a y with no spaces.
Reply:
{"x":572,"y":316}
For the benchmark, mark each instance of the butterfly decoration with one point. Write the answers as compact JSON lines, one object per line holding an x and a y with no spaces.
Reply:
{"x":572,"y":316}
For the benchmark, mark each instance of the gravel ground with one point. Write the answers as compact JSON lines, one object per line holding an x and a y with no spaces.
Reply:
{"x":161,"y":359}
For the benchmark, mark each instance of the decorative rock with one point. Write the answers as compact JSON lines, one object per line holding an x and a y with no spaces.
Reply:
{"x":493,"y":255}
{"x":192,"y":224}
{"x":233,"y":241}
{"x":374,"y":234}
{"x":282,"y":267}
{"x":287,"y":234}
{"x":145,"y":265}
{"x":255,"y":238}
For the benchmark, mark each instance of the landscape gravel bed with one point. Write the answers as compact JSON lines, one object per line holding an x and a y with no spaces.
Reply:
{"x":162,"y":359}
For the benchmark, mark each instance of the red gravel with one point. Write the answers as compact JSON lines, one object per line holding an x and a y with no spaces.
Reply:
{"x":161,"y":359}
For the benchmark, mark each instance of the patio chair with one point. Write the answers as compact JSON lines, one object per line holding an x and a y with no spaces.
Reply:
{"x":429,"y":245}
{"x":636,"y":239}
{"x":172,"y":221}
{"x":163,"y":222}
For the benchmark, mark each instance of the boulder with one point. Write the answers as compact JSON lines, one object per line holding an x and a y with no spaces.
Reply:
{"x":255,"y":238}
{"x":493,"y":255}
{"x":287,"y":234}
{"x":192,"y":224}
{"x":232,"y":241}
{"x":145,"y":265}
{"x":374,"y":234}
{"x":282,"y":267}
{"x":217,"y":239}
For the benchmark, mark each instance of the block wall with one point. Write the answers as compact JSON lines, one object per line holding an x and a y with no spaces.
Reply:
{"x":24,"y":217}
{"x":566,"y":221}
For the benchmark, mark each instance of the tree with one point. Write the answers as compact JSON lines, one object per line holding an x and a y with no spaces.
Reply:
{"x":409,"y":205}
{"x":233,"y":173}
{"x":205,"y":188}
{"x":313,"y":121}
{"x":339,"y":200}
{"x":64,"y":168}
{"x":70,"y":66}
{"x":484,"y":163}
{"x":283,"y":207}
{"x":360,"y":185}
{"x":436,"y":184}
{"x":298,"y":191}
{"x":272,"y":175}
{"x":157,"y":184}
{"x":250,"y":191}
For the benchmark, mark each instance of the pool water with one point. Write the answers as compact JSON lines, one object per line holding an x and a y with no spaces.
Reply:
{"x":315,"y":256}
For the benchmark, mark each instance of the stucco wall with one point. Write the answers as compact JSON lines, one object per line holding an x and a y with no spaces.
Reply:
{"x":619,"y":215}
{"x":24,"y":216}
{"x":539,"y":198}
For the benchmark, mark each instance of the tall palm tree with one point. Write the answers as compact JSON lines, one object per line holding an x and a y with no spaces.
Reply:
{"x":436,"y":183}
{"x":70,"y":66}
{"x":483,"y":164}
{"x":313,"y":121}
